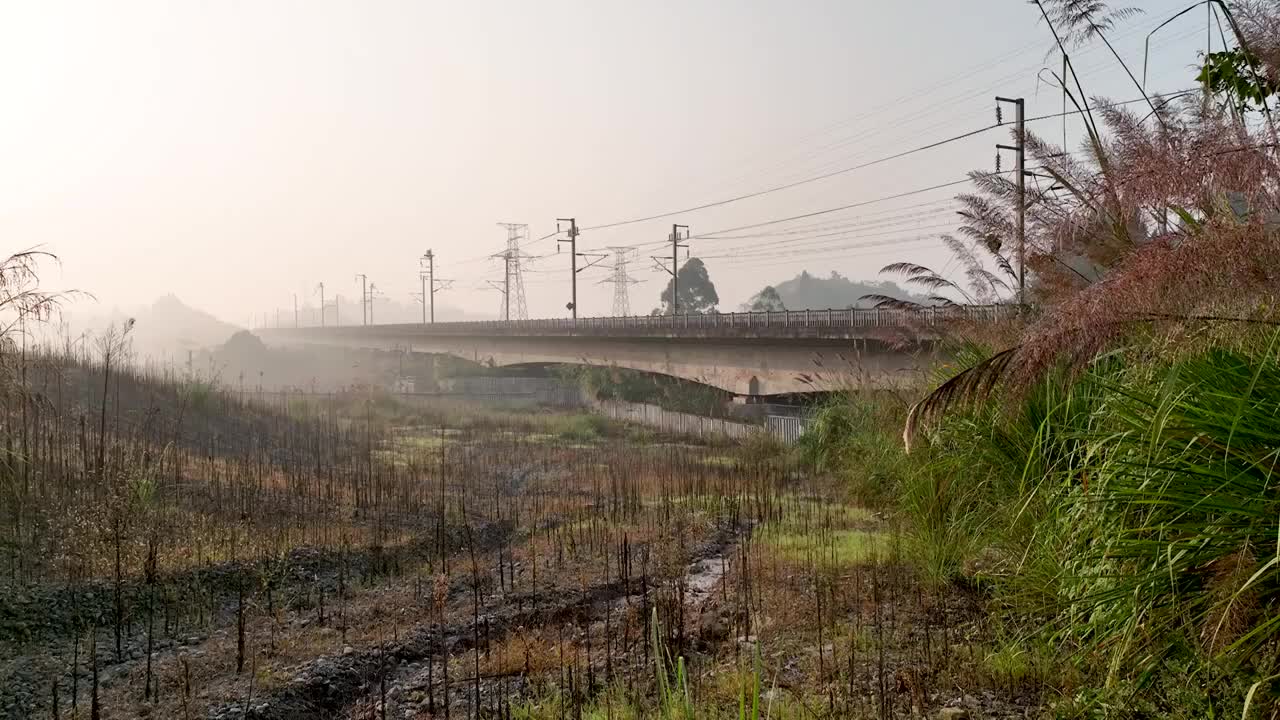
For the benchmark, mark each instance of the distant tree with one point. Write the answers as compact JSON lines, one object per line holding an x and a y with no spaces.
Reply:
{"x":697,"y":292}
{"x":767,"y":300}
{"x":244,"y":344}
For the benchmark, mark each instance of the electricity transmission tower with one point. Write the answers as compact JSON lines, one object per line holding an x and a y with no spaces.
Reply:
{"x":514,"y":278}
{"x":621,"y":280}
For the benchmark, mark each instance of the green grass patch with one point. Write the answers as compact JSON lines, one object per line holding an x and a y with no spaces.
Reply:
{"x":840,"y":547}
{"x":419,"y":443}
{"x":578,"y":428}
{"x":1020,"y":663}
{"x":807,"y":512}
{"x":718,"y":461}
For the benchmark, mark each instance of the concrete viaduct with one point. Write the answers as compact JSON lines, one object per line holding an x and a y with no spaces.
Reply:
{"x":748,"y":354}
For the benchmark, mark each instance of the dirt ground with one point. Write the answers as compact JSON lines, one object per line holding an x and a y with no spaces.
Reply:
{"x":550,"y":579}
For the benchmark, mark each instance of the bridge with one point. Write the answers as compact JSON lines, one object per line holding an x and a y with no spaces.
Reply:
{"x":747,"y":353}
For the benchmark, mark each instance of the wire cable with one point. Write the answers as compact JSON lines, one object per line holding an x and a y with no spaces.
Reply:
{"x":860,"y":166}
{"x":798,"y":183}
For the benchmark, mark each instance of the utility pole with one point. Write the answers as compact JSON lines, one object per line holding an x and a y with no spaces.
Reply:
{"x":621,"y":280}
{"x":337,"y":303}
{"x":364,"y":294}
{"x":430,"y":284}
{"x":321,"y":304}
{"x":573,"y":260}
{"x":506,"y":282}
{"x":373,"y":290}
{"x":1020,"y":151}
{"x":295,"y":310}
{"x":504,"y":289}
{"x":675,"y":266}
{"x":674,"y":270}
{"x":423,"y":297}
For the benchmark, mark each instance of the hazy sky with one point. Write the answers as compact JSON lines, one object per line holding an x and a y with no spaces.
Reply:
{"x":235,"y":153}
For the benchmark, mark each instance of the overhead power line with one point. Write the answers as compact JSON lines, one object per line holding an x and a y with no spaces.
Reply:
{"x":886,"y":248}
{"x":714,"y":234}
{"x":888,"y":216}
{"x":932,"y":99}
{"x":797,"y":183}
{"x":904,"y":153}
{"x":827,"y":224}
{"x":860,"y":166}
{"x":787,"y":236}
{"x":827,"y":211}
{"x":827,"y":175}
{"x":823,"y":246}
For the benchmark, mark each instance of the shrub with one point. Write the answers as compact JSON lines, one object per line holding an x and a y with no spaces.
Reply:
{"x":581,"y":427}
{"x":1181,"y":463}
{"x":1131,"y":513}
{"x":856,"y":438}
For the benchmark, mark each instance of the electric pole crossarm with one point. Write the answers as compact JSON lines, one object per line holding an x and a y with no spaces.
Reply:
{"x":660,"y":263}
{"x":596,"y":260}
{"x":611,"y":280}
{"x":501,"y":288}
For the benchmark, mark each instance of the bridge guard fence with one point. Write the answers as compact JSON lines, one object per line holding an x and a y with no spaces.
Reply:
{"x":675,"y":422}
{"x":544,"y":391}
{"x":844,"y":318}
{"x":786,"y":429}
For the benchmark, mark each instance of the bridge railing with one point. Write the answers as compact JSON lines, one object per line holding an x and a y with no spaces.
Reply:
{"x":832,"y":318}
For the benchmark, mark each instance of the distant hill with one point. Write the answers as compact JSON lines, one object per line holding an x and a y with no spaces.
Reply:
{"x":170,"y":321}
{"x":166,"y":328}
{"x":806,"y":291}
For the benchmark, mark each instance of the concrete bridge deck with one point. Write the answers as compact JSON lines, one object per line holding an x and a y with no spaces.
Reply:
{"x":751,"y":354}
{"x":834,"y":323}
